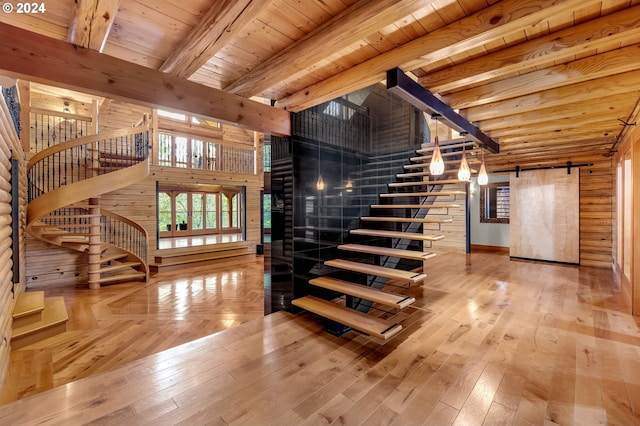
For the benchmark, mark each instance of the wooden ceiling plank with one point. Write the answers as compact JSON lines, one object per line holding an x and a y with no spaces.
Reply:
{"x":42,"y":59}
{"x":219,"y":25}
{"x":619,"y":27}
{"x":582,"y":70}
{"x":581,"y":92}
{"x":593,"y":117}
{"x":353,"y":24}
{"x":619,"y":103}
{"x":493,"y":22}
{"x":91,"y":23}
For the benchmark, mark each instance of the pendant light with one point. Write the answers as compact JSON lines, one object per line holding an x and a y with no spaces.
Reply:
{"x":349,"y":185}
{"x":464,"y":172}
{"x":320,"y":181}
{"x":483,"y":178}
{"x":436,"y":166}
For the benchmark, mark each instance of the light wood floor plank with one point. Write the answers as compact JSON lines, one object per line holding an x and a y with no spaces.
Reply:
{"x":488,"y":341}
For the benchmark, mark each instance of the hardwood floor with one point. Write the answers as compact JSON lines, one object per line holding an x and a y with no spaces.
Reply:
{"x":125,"y":322}
{"x":490,"y":341}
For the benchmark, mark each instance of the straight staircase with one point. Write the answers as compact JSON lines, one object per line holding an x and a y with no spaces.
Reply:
{"x":393,"y":234}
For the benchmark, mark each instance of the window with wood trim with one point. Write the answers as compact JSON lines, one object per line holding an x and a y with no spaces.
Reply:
{"x":184,"y":212}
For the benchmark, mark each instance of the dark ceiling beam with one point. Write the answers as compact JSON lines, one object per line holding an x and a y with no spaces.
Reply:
{"x":399,"y":84}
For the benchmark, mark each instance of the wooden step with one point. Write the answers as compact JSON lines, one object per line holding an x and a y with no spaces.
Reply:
{"x":113,"y":256}
{"x":367,"y":324}
{"x":28,"y":308}
{"x":455,"y":143}
{"x":396,"y":234}
{"x":119,"y":266}
{"x":54,"y":321}
{"x":129,"y":276}
{"x":404,"y":219}
{"x":415,"y":206}
{"x":387,"y":251}
{"x":444,"y":155}
{"x":422,"y":194}
{"x":426,"y":173}
{"x":397,"y":301}
{"x":423,"y":165}
{"x":425,"y":182}
{"x":381,"y":271}
{"x":56,"y":232}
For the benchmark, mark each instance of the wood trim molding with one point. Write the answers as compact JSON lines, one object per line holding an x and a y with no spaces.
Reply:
{"x":42,"y":59}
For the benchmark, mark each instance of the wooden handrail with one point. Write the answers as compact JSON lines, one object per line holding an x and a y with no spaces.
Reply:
{"x":83,"y":141}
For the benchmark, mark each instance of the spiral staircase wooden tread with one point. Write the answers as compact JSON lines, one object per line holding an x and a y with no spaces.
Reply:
{"x":422,"y":194}
{"x":415,"y":206}
{"x":404,"y":219}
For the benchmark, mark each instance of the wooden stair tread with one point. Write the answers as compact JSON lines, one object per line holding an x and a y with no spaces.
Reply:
{"x":455,"y":143}
{"x":404,"y":219}
{"x":426,"y":165}
{"x":53,"y":314}
{"x":114,"y":256}
{"x":28,"y":303}
{"x":422,"y":194}
{"x":396,"y":234}
{"x":130,"y":276}
{"x":119,"y":266}
{"x":426,"y":173}
{"x":367,"y":268}
{"x":72,"y":216}
{"x":425,"y":182}
{"x":398,"y":301}
{"x":387,"y":251}
{"x":62,"y":233}
{"x":415,"y":206}
{"x":364,"y":323}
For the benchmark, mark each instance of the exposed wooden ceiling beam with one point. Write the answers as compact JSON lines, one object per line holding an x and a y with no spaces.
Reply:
{"x":219,"y":25}
{"x":494,"y":22}
{"x":355,"y":23}
{"x":91,"y":23}
{"x":42,"y":59}
{"x":620,"y":27}
{"x":588,"y":69}
{"x":606,"y":131}
{"x":399,"y":84}
{"x":627,"y":82}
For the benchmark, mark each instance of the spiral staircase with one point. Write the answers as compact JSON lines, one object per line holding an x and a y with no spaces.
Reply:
{"x":65,"y":182}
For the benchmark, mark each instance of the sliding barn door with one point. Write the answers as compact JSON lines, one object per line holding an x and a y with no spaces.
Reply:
{"x":545,"y":215}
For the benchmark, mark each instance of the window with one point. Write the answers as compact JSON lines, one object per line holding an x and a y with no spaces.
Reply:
{"x":266,"y":167}
{"x":184,"y":212}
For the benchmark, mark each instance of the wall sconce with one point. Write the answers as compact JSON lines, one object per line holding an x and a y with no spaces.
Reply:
{"x":349,"y":185}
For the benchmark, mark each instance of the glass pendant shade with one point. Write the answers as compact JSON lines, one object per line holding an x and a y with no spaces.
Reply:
{"x":483,"y":178}
{"x":436,"y":167}
{"x":349,"y":185}
{"x":320,"y":183}
{"x":464,"y":172}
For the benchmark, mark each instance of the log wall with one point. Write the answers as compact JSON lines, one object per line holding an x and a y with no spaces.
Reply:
{"x":9,"y":148}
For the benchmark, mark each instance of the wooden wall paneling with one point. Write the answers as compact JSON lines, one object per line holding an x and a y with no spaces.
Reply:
{"x":545,"y":216}
{"x":635,"y":282}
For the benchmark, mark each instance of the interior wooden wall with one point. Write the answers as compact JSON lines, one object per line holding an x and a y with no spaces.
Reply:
{"x":597,"y":202}
{"x":9,"y":148}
